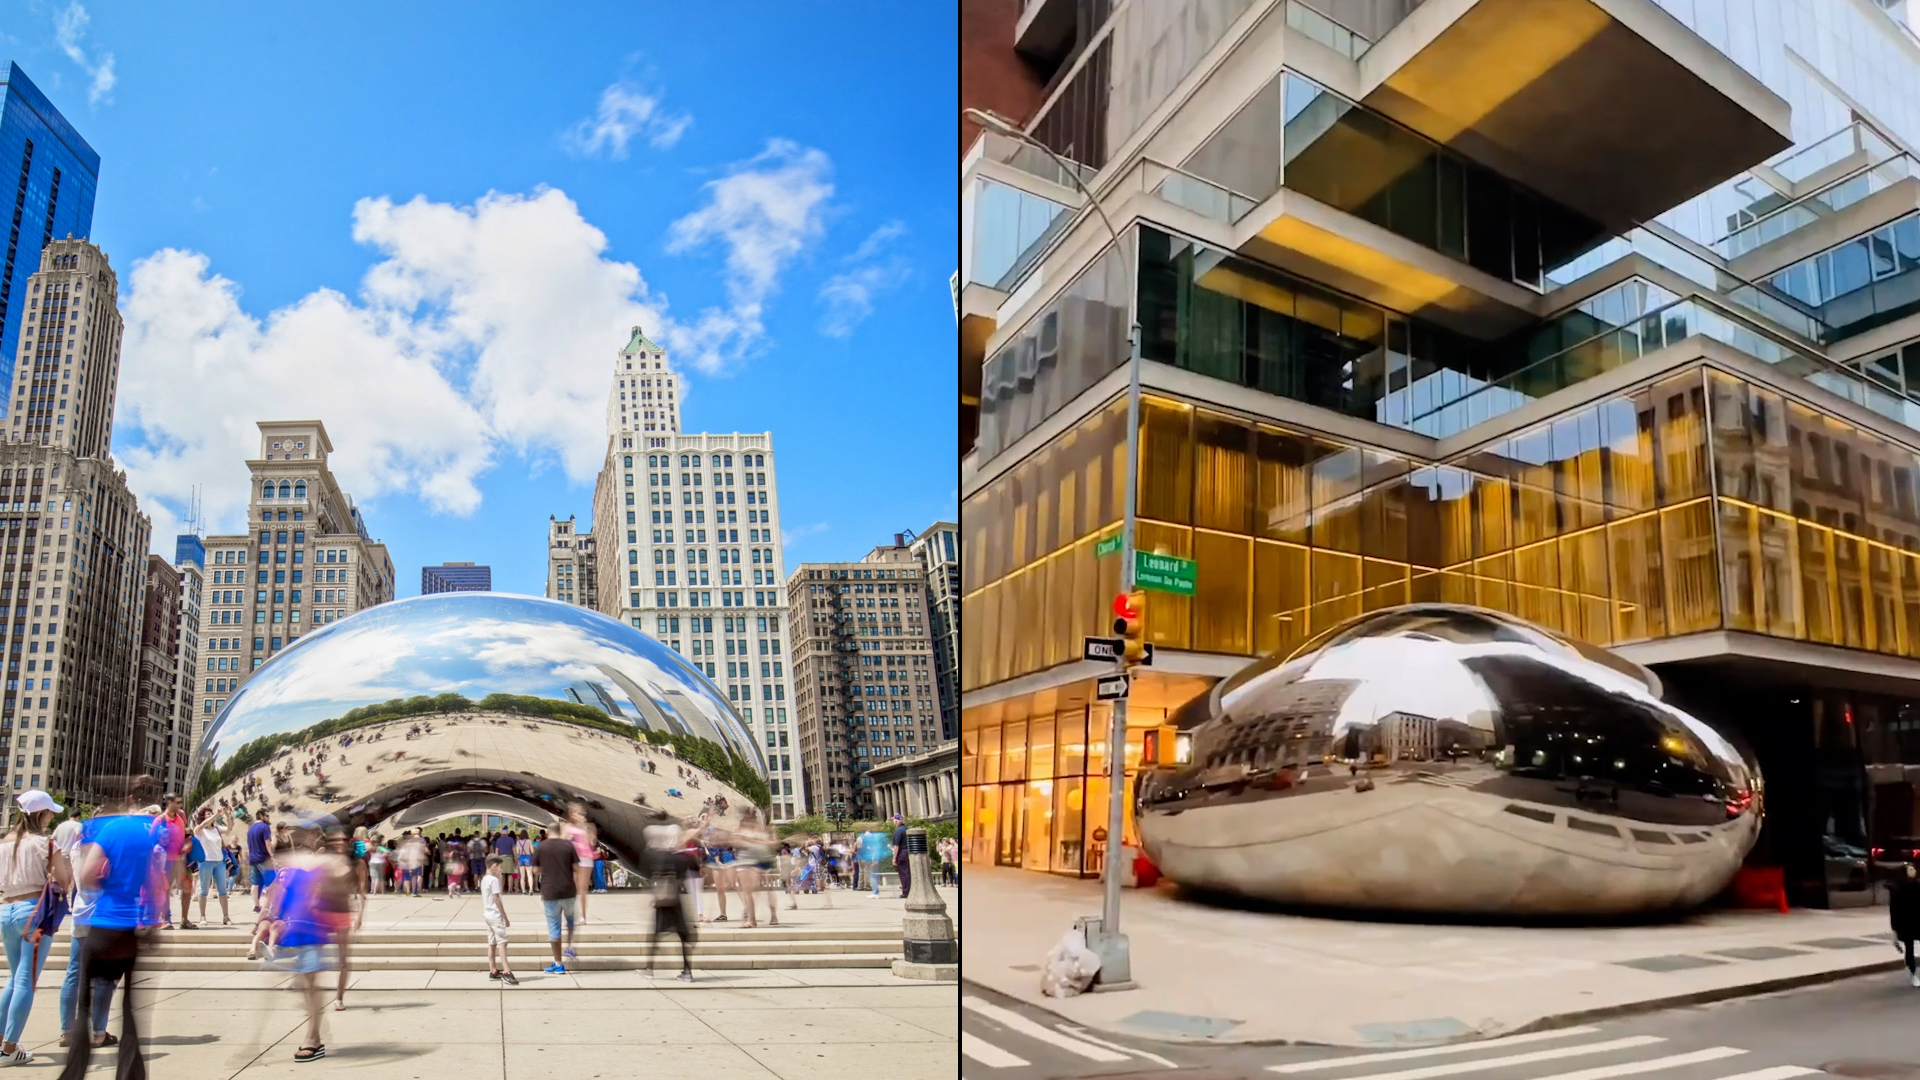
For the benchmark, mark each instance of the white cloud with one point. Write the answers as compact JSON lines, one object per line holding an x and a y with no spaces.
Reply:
{"x":481,"y":328}
{"x":764,"y":211}
{"x":626,"y":112}
{"x":847,"y":297}
{"x":69,"y":26}
{"x":790,"y":537}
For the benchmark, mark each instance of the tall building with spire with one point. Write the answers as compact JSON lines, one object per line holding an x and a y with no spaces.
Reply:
{"x":73,"y":568}
{"x":686,"y":547}
{"x":645,"y":396}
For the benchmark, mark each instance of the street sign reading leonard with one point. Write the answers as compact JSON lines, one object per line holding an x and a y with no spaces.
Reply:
{"x":1165,"y":573}
{"x":1103,"y":648}
{"x":1110,"y":688}
{"x":1107,"y":546}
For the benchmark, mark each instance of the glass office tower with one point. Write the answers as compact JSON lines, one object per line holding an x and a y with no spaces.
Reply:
{"x":1606,"y":314}
{"x":47,"y":178}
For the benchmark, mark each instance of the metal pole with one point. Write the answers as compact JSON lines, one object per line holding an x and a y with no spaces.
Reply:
{"x":1114,"y":951}
{"x":1115,"y":966}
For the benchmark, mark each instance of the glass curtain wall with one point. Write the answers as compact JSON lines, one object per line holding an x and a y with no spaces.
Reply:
{"x":1697,"y":503}
{"x":1034,"y":787}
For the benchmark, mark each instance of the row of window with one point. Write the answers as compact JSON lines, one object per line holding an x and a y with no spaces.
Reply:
{"x":699,"y":517}
{"x":236,"y":577}
{"x":699,"y":498}
{"x":297,"y":490}
{"x":239,"y":596}
{"x":692,"y":461}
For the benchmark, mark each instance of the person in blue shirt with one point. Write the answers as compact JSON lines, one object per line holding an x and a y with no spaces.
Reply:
{"x":117,"y":857}
{"x":260,"y":856}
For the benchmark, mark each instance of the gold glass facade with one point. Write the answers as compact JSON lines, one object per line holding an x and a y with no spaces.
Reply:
{"x":1700,"y":502}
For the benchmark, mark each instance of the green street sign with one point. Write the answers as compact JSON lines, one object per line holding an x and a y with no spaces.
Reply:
{"x":1106,"y":547}
{"x":1165,"y":573}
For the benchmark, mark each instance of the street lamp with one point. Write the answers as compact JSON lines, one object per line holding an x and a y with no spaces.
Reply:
{"x":1116,"y":966}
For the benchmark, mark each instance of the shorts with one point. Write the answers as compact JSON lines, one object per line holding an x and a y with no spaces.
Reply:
{"x":496,"y":932}
{"x":556,"y":910}
{"x":308,"y":959}
{"x":262,"y":875}
{"x":526,"y":860}
{"x":213,"y":872}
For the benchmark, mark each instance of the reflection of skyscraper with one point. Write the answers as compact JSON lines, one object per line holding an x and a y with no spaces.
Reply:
{"x":591,"y":693}
{"x":651,"y":717}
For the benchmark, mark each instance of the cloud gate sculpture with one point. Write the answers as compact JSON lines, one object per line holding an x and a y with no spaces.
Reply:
{"x":1451,"y":760}
{"x":468,"y":703}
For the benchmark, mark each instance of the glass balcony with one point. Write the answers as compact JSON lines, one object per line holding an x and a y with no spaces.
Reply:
{"x":1010,"y":228}
{"x":1866,"y":282}
{"x":1646,"y":333}
{"x":1764,"y":224}
{"x":1326,"y":31}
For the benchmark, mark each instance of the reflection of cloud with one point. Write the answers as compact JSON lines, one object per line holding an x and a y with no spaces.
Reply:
{"x":473,"y":645}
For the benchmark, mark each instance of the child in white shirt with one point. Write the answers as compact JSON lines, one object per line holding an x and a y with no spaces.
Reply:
{"x":494,"y":912}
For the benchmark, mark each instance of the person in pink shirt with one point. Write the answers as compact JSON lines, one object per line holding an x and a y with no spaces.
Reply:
{"x":173,"y":842}
{"x":579,"y":832}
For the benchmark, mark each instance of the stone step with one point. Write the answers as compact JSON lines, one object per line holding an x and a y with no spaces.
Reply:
{"x":529,"y":958}
{"x":172,"y":950}
{"x":536,"y":925}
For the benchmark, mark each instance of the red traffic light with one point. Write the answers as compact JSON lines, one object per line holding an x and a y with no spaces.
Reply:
{"x":1123,"y":607}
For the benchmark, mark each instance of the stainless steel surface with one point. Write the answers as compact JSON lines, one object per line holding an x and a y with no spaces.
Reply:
{"x":579,"y":692}
{"x":1446,"y":759}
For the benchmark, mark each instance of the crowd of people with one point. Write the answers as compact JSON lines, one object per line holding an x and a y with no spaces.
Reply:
{"x":118,"y":872}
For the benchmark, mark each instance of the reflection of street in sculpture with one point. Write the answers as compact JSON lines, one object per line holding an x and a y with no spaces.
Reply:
{"x":393,"y":762}
{"x":478,"y":703}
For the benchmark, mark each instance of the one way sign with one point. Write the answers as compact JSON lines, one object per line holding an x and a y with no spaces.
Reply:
{"x":1104,"y":648}
{"x":1110,"y":688}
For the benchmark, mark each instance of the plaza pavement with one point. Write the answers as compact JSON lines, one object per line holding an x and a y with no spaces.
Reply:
{"x":797,"y":1024}
{"x":1223,"y":974}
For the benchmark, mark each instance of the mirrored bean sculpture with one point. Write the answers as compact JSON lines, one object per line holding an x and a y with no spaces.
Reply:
{"x":1451,"y":760}
{"x":417,"y":711}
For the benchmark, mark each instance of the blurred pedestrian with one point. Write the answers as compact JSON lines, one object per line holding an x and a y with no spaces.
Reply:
{"x":523,"y":859}
{"x":493,"y":911}
{"x":316,"y":903}
{"x":579,"y":832}
{"x":66,"y":839}
{"x":559,"y":894}
{"x":1904,"y":910}
{"x":871,"y":848}
{"x":668,"y":866}
{"x":754,"y":861}
{"x":345,"y":920}
{"x":901,"y":868}
{"x":33,"y":883}
{"x":117,"y":855}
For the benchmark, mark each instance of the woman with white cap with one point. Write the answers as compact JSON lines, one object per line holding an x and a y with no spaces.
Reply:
{"x":33,"y":882}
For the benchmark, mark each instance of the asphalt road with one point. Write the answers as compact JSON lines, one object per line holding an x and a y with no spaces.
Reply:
{"x":1865,"y":1028}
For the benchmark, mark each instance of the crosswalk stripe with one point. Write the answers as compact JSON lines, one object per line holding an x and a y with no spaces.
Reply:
{"x":988,"y":1054}
{"x":1778,"y":1072}
{"x":1430,"y":1051}
{"x":1487,"y":1064}
{"x":1633,"y":1068}
{"x":1013,"y":1021}
{"x":1081,"y":1033}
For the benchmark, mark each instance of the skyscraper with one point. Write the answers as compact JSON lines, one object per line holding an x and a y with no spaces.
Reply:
{"x":863,"y":672}
{"x":153,"y":741}
{"x":74,"y":571}
{"x":68,"y":369}
{"x":455,"y":577}
{"x":938,"y":551}
{"x":686,"y":547}
{"x":48,"y":174}
{"x":307,"y":561}
{"x":187,"y":723}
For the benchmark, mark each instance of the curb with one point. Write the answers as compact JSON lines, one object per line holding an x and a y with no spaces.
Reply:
{"x":1545,"y":1023}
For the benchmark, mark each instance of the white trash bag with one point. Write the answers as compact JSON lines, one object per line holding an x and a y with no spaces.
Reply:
{"x":1070,"y":968}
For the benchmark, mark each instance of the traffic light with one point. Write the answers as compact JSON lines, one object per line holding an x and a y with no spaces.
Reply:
{"x":1130,"y":623}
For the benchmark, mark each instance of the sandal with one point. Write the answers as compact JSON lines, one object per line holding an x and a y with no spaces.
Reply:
{"x":108,"y":1040}
{"x":310,"y":1053}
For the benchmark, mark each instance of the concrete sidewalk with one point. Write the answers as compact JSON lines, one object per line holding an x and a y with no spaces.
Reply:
{"x":1225,"y":975}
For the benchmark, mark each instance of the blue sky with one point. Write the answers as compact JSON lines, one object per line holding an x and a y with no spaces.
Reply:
{"x":432,"y":230}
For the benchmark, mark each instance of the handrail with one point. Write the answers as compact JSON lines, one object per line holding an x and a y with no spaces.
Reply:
{"x":1730,"y":245}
